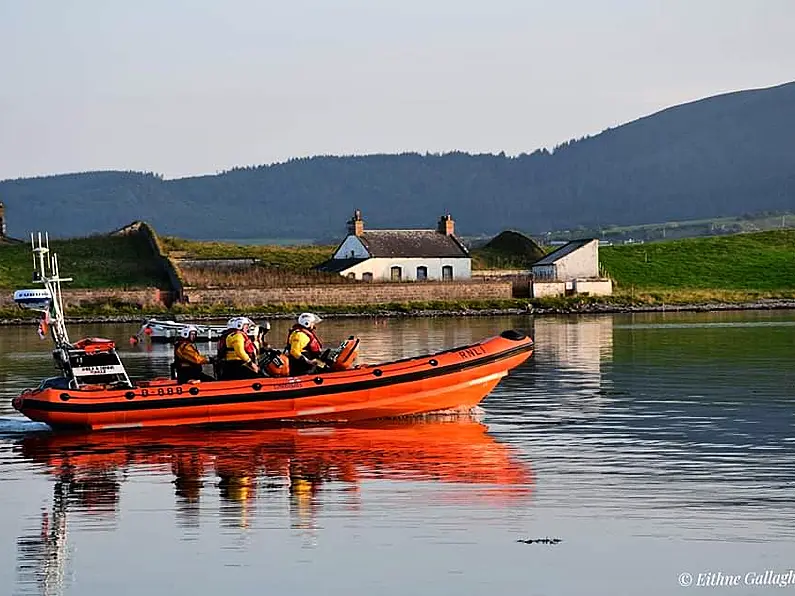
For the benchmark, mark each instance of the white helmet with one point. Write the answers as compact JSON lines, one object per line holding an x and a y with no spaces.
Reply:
{"x":308,"y":320}
{"x":186,"y":331}
{"x":238,"y":323}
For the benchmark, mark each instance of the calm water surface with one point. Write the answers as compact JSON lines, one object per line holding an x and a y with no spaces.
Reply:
{"x":651,"y":446}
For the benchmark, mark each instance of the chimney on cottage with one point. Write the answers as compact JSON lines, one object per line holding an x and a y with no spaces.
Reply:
{"x":446,"y":225}
{"x":356,"y":224}
{"x":2,"y":221}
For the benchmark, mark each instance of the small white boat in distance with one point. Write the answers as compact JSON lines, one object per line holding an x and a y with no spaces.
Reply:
{"x":168,"y":331}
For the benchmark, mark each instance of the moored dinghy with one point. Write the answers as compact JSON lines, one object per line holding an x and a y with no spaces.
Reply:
{"x":168,"y":331}
{"x":94,"y":390}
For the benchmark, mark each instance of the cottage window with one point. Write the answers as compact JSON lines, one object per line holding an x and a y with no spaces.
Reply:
{"x":395,"y":273}
{"x":447,"y":272}
{"x":422,"y":272}
{"x":367,"y":276}
{"x":351,"y":275}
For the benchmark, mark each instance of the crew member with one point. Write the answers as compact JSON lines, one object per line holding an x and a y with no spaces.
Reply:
{"x":260,"y":343}
{"x":237,"y":355}
{"x":188,"y":360}
{"x":303,"y":345}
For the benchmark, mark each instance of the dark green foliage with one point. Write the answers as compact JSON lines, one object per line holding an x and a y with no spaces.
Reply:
{"x":727,"y":155}
{"x":507,"y":250}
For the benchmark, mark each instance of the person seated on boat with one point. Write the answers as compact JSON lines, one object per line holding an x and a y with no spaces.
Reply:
{"x":188,"y":360}
{"x":237,"y":355}
{"x":303,"y":345}
{"x":260,"y":342}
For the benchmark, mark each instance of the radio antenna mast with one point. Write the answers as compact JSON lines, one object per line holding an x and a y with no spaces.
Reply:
{"x":47,"y":272}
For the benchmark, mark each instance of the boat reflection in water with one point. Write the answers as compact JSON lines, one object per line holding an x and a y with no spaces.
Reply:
{"x":251,"y":465}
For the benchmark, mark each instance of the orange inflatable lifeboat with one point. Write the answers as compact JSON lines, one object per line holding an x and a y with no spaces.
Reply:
{"x":456,"y":378}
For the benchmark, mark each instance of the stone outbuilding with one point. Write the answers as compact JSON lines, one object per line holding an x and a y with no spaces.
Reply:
{"x":571,"y":269}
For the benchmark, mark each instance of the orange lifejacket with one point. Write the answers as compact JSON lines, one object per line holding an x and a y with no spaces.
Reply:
{"x":248,"y":345}
{"x":313,"y":348}
{"x":186,"y":355}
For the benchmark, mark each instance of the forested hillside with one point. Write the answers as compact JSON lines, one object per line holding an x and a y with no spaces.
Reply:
{"x":726,"y":155}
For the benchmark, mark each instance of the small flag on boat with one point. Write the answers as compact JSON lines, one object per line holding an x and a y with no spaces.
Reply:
{"x":44,"y":325}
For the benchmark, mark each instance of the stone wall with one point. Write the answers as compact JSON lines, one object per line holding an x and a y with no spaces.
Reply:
{"x":244,"y":262}
{"x":354,"y":295}
{"x":594,"y":287}
{"x":321,"y":295}
{"x":521,"y":279}
{"x":584,"y":287}
{"x":542,"y":289}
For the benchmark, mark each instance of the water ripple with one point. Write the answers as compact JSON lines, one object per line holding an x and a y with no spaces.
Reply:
{"x":652,"y":436}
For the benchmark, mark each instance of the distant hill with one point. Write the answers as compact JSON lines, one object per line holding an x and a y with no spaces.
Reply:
{"x":726,"y":155}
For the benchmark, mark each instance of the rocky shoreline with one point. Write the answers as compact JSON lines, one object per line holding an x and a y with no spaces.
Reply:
{"x":575,"y":309}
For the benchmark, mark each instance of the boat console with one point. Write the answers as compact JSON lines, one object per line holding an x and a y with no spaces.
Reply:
{"x":92,"y":362}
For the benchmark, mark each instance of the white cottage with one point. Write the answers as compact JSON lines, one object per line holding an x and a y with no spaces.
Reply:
{"x":400,"y":255}
{"x":571,"y":269}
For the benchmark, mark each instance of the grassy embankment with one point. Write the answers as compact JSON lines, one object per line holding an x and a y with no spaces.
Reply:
{"x":729,"y":269}
{"x":736,"y":268}
{"x":123,"y":262}
{"x":278,"y":266}
{"x":94,"y":262}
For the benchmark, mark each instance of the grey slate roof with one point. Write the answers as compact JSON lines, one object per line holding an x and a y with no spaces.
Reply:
{"x":337,"y":265}
{"x":412,"y":243}
{"x":564,"y":250}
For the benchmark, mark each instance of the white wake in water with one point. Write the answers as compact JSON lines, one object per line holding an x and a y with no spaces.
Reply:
{"x":14,"y":426}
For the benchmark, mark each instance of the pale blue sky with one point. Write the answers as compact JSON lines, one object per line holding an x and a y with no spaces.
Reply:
{"x":190,"y":87}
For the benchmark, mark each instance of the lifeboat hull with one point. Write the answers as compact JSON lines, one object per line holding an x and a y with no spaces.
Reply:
{"x":456,"y":378}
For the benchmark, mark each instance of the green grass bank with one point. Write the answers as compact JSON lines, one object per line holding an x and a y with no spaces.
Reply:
{"x":124,"y":261}
{"x":737,"y":269}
